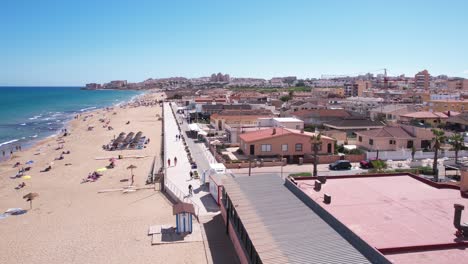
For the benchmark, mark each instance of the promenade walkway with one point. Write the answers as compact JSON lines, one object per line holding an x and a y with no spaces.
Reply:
{"x":177,"y":176}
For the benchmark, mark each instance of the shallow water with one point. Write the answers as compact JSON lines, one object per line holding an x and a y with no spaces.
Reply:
{"x":33,"y":113}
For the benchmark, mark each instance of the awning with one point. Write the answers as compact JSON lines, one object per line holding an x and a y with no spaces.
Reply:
{"x":194,"y":127}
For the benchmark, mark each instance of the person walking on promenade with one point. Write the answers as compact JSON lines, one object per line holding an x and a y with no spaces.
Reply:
{"x":175,"y":161}
{"x":191,"y":175}
{"x":190,"y":188}
{"x":168,"y":162}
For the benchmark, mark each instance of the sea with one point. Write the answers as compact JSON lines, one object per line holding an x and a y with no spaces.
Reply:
{"x":29,"y":114}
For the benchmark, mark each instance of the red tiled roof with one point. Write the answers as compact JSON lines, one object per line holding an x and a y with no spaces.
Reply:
{"x":386,"y":132}
{"x":268,"y":133}
{"x":321,"y":113}
{"x":183,"y":208}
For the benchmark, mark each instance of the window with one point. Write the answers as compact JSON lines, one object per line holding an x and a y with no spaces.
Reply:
{"x":371,"y":142}
{"x":360,"y":139}
{"x":266,"y":147}
{"x":284,"y":147}
{"x":298,"y":147}
{"x":319,"y":147}
{"x":409,"y":144}
{"x":392,"y":142}
{"x":425,"y":144}
{"x":298,"y":126}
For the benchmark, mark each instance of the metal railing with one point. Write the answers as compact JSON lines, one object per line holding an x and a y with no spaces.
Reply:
{"x":180,"y":195}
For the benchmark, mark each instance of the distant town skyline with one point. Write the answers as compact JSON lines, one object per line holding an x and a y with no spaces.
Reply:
{"x":74,"y":43}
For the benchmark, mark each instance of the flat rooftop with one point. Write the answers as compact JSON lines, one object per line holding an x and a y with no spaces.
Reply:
{"x":393,"y":212}
{"x":282,"y":228}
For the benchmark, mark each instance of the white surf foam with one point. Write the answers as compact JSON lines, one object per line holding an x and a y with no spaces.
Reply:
{"x":8,"y":142}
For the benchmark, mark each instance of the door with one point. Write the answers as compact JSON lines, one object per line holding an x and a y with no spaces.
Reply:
{"x":329,"y":148}
{"x":252,"y":150}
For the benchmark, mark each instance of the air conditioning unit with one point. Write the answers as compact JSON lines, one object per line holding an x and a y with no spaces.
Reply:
{"x":318,"y":185}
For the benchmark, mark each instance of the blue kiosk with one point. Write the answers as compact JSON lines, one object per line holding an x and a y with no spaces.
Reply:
{"x":183,"y":213}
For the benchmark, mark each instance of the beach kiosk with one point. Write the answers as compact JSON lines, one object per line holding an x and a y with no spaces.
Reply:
{"x":215,"y":168}
{"x":183,"y":213}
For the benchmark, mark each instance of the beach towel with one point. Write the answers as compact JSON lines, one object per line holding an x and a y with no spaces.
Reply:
{"x":15,"y":211}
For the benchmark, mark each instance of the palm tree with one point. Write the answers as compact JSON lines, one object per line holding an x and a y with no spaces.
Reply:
{"x":316,"y":141}
{"x":456,"y":140}
{"x":413,"y":152}
{"x":379,"y":165}
{"x":439,"y":138}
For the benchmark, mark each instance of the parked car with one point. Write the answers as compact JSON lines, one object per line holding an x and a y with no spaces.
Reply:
{"x":367,"y":164}
{"x":340,"y":165}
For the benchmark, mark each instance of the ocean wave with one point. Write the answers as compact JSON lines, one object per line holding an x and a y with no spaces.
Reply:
{"x":88,"y":108}
{"x":23,"y":124}
{"x":35,"y":136}
{"x":35,"y":117}
{"x":8,"y":142}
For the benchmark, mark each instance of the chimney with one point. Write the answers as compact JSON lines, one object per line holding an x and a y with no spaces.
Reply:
{"x":317,"y":185}
{"x":274,"y":131}
{"x":462,"y":228}
{"x":464,"y":179}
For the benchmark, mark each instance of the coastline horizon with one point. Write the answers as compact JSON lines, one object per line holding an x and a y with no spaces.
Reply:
{"x":26,"y":131}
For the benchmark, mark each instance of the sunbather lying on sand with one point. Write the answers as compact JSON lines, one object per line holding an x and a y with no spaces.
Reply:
{"x":47,"y":169}
{"x":20,"y":186}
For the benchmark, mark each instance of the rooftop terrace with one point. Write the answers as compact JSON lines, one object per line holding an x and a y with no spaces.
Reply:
{"x":407,"y":219}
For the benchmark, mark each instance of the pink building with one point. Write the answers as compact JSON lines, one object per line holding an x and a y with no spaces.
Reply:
{"x":289,"y":143}
{"x":394,"y":138}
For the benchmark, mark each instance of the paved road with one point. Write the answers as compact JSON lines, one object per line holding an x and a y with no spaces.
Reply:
{"x":177,"y":176}
{"x":218,"y":246}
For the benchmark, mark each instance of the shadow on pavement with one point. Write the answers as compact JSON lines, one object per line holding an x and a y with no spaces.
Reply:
{"x":209,"y":203}
{"x":221,"y":247}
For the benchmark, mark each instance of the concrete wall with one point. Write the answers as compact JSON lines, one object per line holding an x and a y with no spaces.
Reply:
{"x":406,"y":154}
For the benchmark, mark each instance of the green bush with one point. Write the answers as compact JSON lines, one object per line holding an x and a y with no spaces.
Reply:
{"x":239,"y":151}
{"x":301,"y":174}
{"x":354,"y":152}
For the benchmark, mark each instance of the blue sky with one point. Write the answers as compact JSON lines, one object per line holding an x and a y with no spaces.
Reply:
{"x":74,"y":42}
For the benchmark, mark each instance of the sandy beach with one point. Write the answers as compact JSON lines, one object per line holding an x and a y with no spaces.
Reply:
{"x":70,"y":221}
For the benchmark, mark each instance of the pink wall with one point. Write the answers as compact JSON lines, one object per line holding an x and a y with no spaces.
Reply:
{"x":291,"y":140}
{"x":235,"y":241}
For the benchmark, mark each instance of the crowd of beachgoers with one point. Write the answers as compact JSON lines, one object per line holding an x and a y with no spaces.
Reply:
{"x":71,"y":222}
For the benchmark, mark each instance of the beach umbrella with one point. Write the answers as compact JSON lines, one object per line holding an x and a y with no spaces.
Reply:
{"x":30,"y":162}
{"x":101,"y":169}
{"x":30,"y":197}
{"x":26,"y":177}
{"x":131,"y":167}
